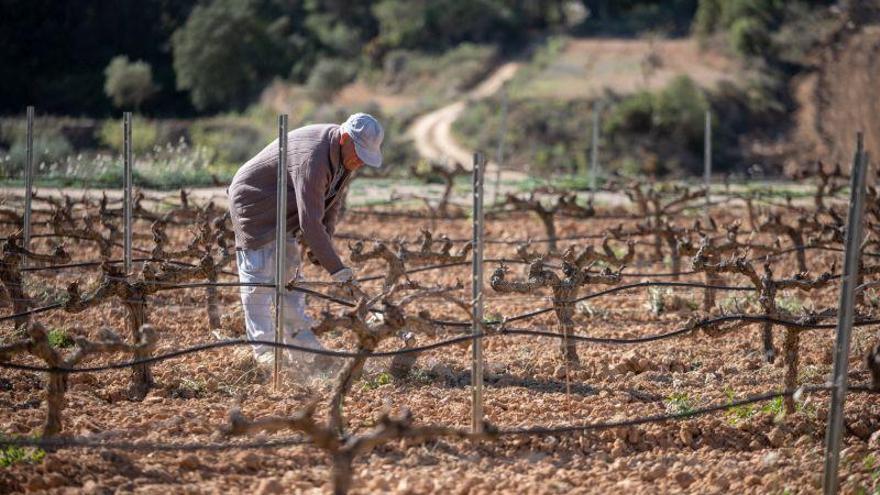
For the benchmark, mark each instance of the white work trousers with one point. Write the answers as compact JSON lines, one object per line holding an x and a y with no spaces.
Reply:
{"x":258,"y":265}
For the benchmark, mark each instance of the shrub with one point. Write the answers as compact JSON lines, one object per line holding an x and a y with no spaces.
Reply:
{"x":227,"y":143}
{"x":329,"y":76}
{"x":749,"y":36}
{"x":224,"y":54}
{"x":143,"y":135}
{"x":633,"y":114}
{"x":48,"y":148}
{"x":680,"y":112}
{"x":128,"y":83}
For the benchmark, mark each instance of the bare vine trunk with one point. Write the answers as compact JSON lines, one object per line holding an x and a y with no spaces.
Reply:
{"x":791,"y":358}
{"x":550,"y":228}
{"x":213,"y":303}
{"x":709,"y":294}
{"x":564,"y":309}
{"x":141,"y":376}
{"x":346,"y":378}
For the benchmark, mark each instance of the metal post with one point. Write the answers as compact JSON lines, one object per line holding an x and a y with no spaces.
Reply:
{"x":28,"y":183}
{"x":477,"y":294}
{"x":707,"y":157}
{"x":594,"y":150}
{"x":499,"y":157}
{"x":127,"y":196}
{"x":280,"y":240}
{"x":834,"y":432}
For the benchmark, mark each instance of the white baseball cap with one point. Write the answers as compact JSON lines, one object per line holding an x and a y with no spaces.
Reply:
{"x":367,"y":134}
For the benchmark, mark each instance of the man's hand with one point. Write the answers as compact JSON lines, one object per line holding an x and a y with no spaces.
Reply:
{"x":350,"y":288}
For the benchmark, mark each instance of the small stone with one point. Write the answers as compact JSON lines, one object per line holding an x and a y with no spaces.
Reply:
{"x":874,"y":441}
{"x":771,"y":459}
{"x":618,"y":449}
{"x":269,"y":486}
{"x":686,"y":436}
{"x":54,"y":480}
{"x":36,"y":483}
{"x":776,"y":437}
{"x":655,"y":473}
{"x":684,"y":479}
{"x":247,"y":460}
{"x":189,"y":462}
{"x":721,"y":482}
{"x":752,"y":480}
{"x":803,"y":442}
{"x":860,"y":429}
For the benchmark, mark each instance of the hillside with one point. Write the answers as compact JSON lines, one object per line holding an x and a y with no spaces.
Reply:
{"x":840,"y":97}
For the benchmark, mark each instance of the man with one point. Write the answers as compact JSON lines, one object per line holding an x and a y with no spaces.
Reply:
{"x":321,"y":161}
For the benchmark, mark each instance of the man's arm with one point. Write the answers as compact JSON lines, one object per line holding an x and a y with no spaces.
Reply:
{"x":309,"y":184}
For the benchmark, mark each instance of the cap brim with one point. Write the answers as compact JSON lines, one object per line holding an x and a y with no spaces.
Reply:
{"x":369,"y":157}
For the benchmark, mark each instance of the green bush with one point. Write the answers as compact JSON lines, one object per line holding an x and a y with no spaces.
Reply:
{"x":680,"y":112}
{"x":227,"y":143}
{"x":143,"y":135}
{"x":633,"y":114}
{"x":48,"y":148}
{"x":128,"y":83}
{"x":329,"y":76}
{"x":750,"y":37}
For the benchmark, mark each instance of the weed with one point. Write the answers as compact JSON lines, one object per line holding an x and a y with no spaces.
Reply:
{"x":59,"y":339}
{"x":737,"y":304}
{"x":376,"y":381}
{"x":679,"y":403}
{"x":736,"y":414}
{"x":420,"y":376}
{"x":14,"y":454}
{"x":592,"y":311}
{"x":791,"y":304}
{"x":662,"y":301}
{"x":493,"y":317}
{"x":776,"y":408}
{"x":189,"y":389}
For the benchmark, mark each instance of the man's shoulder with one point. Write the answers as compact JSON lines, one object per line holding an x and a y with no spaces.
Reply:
{"x":313,"y":133}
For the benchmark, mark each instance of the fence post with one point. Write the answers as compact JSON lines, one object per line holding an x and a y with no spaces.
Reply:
{"x":499,"y":157}
{"x":126,"y":194}
{"x":28,"y":183}
{"x":594,"y":150}
{"x":707,"y":157}
{"x":834,"y":432}
{"x":280,"y":241}
{"x":477,"y":295}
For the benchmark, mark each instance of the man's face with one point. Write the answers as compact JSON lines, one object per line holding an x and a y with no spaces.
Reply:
{"x":350,"y":160}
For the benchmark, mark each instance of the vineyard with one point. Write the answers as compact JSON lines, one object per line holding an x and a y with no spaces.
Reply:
{"x":677,"y":341}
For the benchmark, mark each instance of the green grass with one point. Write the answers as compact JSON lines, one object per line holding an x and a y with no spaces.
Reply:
{"x":14,"y":454}
{"x":59,"y":339}
{"x":735,"y":414}
{"x":791,"y":304}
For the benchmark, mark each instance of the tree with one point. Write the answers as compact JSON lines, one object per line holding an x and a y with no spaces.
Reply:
{"x":225,"y":53}
{"x":128,"y":83}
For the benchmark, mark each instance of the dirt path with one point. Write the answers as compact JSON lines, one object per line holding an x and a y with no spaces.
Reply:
{"x":432,"y":132}
{"x":584,"y":68}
